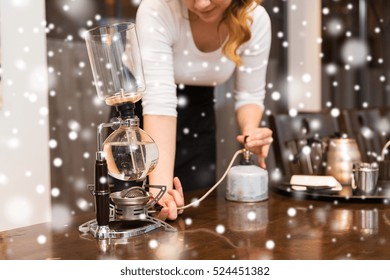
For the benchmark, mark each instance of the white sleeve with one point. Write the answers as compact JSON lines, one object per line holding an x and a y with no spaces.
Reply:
{"x":155,"y":28}
{"x":250,"y":77}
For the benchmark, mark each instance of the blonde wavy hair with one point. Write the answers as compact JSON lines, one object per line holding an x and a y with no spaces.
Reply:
{"x":238,"y":21}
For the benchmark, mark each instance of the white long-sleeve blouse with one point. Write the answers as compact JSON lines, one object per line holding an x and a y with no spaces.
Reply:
{"x":170,"y":57}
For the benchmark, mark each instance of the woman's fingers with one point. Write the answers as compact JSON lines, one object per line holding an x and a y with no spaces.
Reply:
{"x":177,"y":185}
{"x":172,"y":210}
{"x":177,"y":193}
{"x":169,"y":210}
{"x":178,"y":199}
{"x":258,"y":142}
{"x":171,"y":200}
{"x":260,"y":136}
{"x":163,"y":214}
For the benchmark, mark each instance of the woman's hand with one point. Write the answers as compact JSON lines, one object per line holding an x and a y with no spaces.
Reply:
{"x":170,"y":201}
{"x":258,"y":142}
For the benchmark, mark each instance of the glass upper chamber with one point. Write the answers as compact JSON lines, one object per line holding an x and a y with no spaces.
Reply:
{"x":116,"y":63}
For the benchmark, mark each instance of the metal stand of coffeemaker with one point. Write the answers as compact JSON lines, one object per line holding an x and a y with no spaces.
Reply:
{"x":123,"y":208}
{"x":102,"y":196}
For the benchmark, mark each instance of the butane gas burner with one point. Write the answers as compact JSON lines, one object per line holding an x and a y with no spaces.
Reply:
{"x":129,"y":214}
{"x":131,"y":204}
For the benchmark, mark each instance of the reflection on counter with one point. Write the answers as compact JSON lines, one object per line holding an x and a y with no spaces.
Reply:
{"x":247,"y":222}
{"x":247,"y":217}
{"x":247,"y":234}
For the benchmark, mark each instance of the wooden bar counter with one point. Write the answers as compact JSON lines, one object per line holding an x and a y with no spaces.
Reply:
{"x":281,"y":228}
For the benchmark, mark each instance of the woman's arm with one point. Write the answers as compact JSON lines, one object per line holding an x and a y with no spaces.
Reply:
{"x":163,"y":131}
{"x":250,"y":87}
{"x":156,"y":29}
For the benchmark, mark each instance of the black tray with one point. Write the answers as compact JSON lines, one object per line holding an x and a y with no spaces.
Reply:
{"x":345,"y":195}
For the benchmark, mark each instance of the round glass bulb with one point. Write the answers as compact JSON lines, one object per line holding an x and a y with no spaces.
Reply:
{"x":131,"y":154}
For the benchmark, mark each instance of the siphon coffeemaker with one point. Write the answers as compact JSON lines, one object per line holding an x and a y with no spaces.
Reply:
{"x":128,"y":154}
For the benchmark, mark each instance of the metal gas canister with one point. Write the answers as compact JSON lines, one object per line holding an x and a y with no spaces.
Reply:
{"x":247,"y":182}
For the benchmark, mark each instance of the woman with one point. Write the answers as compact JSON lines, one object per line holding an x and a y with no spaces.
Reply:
{"x":188,"y":47}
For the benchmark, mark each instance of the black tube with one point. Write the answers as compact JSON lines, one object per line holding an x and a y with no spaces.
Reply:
{"x":102,"y":193}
